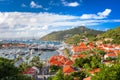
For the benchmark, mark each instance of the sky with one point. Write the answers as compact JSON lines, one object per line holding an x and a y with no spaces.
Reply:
{"x":36,"y":18}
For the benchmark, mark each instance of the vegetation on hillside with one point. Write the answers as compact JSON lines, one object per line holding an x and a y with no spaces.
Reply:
{"x":61,"y":35}
{"x":114,"y":34}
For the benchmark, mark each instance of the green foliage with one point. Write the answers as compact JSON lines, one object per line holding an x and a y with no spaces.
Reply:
{"x":54,"y":68}
{"x":88,"y":63}
{"x":7,"y":68}
{"x":18,"y":77}
{"x":61,"y":35}
{"x":108,"y":73}
{"x":9,"y":72}
{"x":36,"y":62}
{"x":66,"y":52}
{"x":73,"y":40}
{"x":59,"y":75}
{"x":66,"y":77}
{"x":114,"y":34}
{"x":80,"y":75}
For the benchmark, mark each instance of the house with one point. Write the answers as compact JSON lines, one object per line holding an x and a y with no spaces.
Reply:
{"x":32,"y":72}
{"x":87,"y":78}
{"x":68,"y":62}
{"x":108,"y":39}
{"x":99,"y":42}
{"x":75,"y":56}
{"x":67,"y":69}
{"x":81,"y":47}
{"x":93,"y":71}
{"x":58,"y":60}
{"x":111,"y":55}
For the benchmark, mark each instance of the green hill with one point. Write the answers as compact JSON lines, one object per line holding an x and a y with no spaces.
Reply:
{"x":61,"y":35}
{"x":114,"y":34}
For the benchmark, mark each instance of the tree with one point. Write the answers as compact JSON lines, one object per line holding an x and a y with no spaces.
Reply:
{"x":108,"y":73}
{"x":80,"y":75}
{"x":9,"y":72}
{"x":59,"y":75}
{"x":66,"y":52}
{"x":54,"y":68}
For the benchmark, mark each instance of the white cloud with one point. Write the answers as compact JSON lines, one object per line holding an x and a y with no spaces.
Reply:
{"x":35,"y":5}
{"x":71,"y":4}
{"x":99,"y":15}
{"x":23,"y":5}
{"x":24,"y":24}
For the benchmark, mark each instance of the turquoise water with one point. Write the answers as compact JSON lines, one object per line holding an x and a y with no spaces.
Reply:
{"x":32,"y":42}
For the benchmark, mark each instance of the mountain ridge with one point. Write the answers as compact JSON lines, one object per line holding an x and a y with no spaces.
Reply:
{"x":61,"y":35}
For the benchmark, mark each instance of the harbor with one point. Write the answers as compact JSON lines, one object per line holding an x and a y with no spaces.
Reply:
{"x":43,"y":49}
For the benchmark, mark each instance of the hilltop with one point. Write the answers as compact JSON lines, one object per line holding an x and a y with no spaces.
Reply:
{"x":61,"y":35}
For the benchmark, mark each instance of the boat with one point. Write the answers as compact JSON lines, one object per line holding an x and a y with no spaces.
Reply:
{"x":43,"y":48}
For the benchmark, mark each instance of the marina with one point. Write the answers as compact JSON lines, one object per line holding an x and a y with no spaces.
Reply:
{"x":43,"y":49}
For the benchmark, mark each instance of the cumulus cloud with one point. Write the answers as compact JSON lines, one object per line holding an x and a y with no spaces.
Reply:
{"x":71,"y":4}
{"x":24,"y":24}
{"x":35,"y":5}
{"x":99,"y":15}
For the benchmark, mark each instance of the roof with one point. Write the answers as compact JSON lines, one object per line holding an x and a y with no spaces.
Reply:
{"x":80,"y":48}
{"x":29,"y":71}
{"x":112,"y":54}
{"x":75,"y":56}
{"x":57,"y":60}
{"x":57,"y":63}
{"x":68,"y":62}
{"x":82,"y":45}
{"x":87,"y":78}
{"x":53,"y":58}
{"x":94,"y":70}
{"x":68,"y":69}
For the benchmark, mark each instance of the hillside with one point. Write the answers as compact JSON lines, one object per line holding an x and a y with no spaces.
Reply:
{"x":61,"y":35}
{"x":114,"y":34}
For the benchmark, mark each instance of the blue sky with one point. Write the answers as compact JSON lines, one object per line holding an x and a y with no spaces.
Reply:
{"x":28,"y":18}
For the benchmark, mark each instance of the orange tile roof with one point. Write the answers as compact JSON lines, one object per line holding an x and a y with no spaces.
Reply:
{"x":94,"y":71}
{"x":63,"y":59}
{"x":53,"y":58}
{"x":68,"y":62}
{"x":57,"y":63}
{"x":112,"y":54}
{"x":88,"y":78}
{"x":78,"y":56}
{"x":83,"y":46}
{"x":68,"y":69}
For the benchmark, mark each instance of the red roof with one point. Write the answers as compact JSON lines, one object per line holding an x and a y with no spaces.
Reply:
{"x":75,"y":56}
{"x":88,"y":78}
{"x":63,"y":60}
{"x":53,"y":58}
{"x":68,"y":62}
{"x":82,"y":45}
{"x":112,"y":54}
{"x":29,"y":71}
{"x":57,"y":63}
{"x":94,"y":70}
{"x":68,"y":69}
{"x":58,"y":60}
